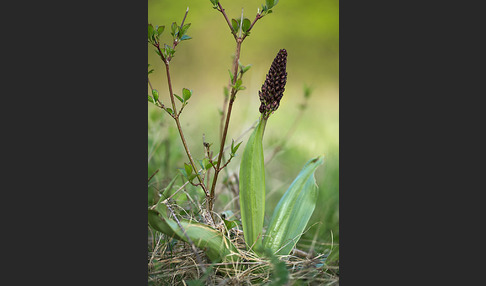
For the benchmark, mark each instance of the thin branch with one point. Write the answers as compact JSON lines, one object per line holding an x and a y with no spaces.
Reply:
{"x":180,"y":111}
{"x":231,"y":157}
{"x":257,"y":17}
{"x":176,"y":42}
{"x":161,"y":105}
{"x":221,"y":9}
{"x":179,"y":128}
{"x":170,"y":197}
{"x":153,"y":175}
{"x":239,"y":137}
{"x":225,"y":130}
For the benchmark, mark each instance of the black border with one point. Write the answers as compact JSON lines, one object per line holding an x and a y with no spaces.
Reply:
{"x":81,"y":144}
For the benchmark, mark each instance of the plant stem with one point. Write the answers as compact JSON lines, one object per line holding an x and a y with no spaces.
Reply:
{"x":176,"y":42}
{"x":257,"y":17}
{"x":191,"y":160}
{"x":153,"y":175}
{"x":225,"y":130}
{"x":221,"y":9}
{"x":179,"y":128}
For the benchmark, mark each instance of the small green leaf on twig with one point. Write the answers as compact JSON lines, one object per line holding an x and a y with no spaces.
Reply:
{"x":215,"y":3}
{"x":205,"y":163}
{"x":150,"y":33}
{"x":160,"y":30}
{"x":178,"y":97}
{"x":234,"y":148}
{"x":238,"y":85}
{"x":246,"y":25}
{"x":185,"y":37}
{"x":231,"y":76}
{"x":186,"y":94}
{"x":235,"y":25}
{"x":151,"y":99}
{"x":188,"y":169}
{"x":173,"y":28}
{"x":245,"y":68}
{"x":169,"y":111}
{"x":184,"y":29}
{"x":155,"y":94}
{"x":271,"y":3}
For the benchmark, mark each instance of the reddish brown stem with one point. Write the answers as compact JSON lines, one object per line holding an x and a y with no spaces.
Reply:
{"x":228,"y":116}
{"x":257,"y":17}
{"x":179,"y":128}
{"x":221,"y":9}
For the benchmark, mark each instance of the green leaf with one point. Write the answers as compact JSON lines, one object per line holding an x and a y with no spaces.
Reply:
{"x":235,"y":25}
{"x":155,"y":94}
{"x":229,"y":219}
{"x":178,"y":97}
{"x":231,"y":75}
{"x":208,"y":164}
{"x":191,"y":177}
{"x":293,"y":211}
{"x":184,"y":29}
{"x":173,"y":29}
{"x":150,"y":32}
{"x":217,"y":247}
{"x":233,"y":150}
{"x":264,"y":8}
{"x":170,"y":111}
{"x":160,"y":30}
{"x":238,"y":86}
{"x":269,"y":3}
{"x":245,"y":68}
{"x":151,"y":99}
{"x":186,"y":94}
{"x":215,"y":3}
{"x":238,"y":83}
{"x":160,"y":224}
{"x":246,"y":25}
{"x":205,"y":164}
{"x":185,"y":37}
{"x":188,"y":169}
{"x":252,"y":188}
{"x":230,"y":223}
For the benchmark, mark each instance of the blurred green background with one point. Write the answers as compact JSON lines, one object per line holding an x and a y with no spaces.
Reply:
{"x":309,"y":31}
